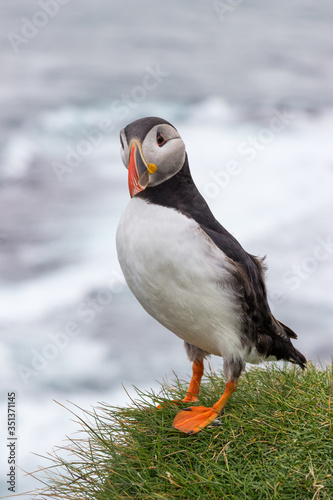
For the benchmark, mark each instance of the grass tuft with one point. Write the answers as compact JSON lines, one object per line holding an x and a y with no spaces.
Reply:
{"x":274,"y":441}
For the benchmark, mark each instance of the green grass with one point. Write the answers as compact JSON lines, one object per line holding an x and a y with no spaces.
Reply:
{"x":274,"y":441}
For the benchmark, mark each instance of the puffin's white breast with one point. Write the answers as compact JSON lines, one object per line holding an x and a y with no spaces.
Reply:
{"x":180,"y":276}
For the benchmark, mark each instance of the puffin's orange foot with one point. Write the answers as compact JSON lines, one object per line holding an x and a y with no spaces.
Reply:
{"x":188,"y":399}
{"x":193,"y":419}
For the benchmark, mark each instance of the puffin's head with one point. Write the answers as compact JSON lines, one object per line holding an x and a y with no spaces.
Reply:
{"x":152,"y":151}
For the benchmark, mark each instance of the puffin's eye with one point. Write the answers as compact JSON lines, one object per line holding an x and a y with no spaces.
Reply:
{"x":121,"y":142}
{"x":160,"y":139}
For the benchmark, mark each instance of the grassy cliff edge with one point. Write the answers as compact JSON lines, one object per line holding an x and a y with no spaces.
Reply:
{"x":274,"y":440}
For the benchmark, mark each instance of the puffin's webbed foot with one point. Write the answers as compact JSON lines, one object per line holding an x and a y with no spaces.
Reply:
{"x":192,"y":420}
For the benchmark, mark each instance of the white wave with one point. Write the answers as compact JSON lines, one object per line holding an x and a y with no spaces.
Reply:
{"x":18,"y":156}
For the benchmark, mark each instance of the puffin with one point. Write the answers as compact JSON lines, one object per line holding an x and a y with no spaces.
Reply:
{"x":188,"y":272}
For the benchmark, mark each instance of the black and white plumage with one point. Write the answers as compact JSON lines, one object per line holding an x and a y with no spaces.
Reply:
{"x":187,"y":271}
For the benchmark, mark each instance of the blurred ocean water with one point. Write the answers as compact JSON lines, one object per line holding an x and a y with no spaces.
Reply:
{"x":249,"y":87}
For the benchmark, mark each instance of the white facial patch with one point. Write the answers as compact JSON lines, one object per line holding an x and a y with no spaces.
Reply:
{"x":169,"y":156}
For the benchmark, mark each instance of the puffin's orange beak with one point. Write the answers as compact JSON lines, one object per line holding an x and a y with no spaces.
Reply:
{"x":138,"y":170}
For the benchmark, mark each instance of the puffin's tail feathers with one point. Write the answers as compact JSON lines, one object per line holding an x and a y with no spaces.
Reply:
{"x":291,"y":334}
{"x":297,"y":358}
{"x":280,"y":347}
{"x":294,"y":356}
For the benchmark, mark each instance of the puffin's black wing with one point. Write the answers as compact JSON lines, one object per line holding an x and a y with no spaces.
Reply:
{"x":249,"y":283}
{"x":270,"y":336}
